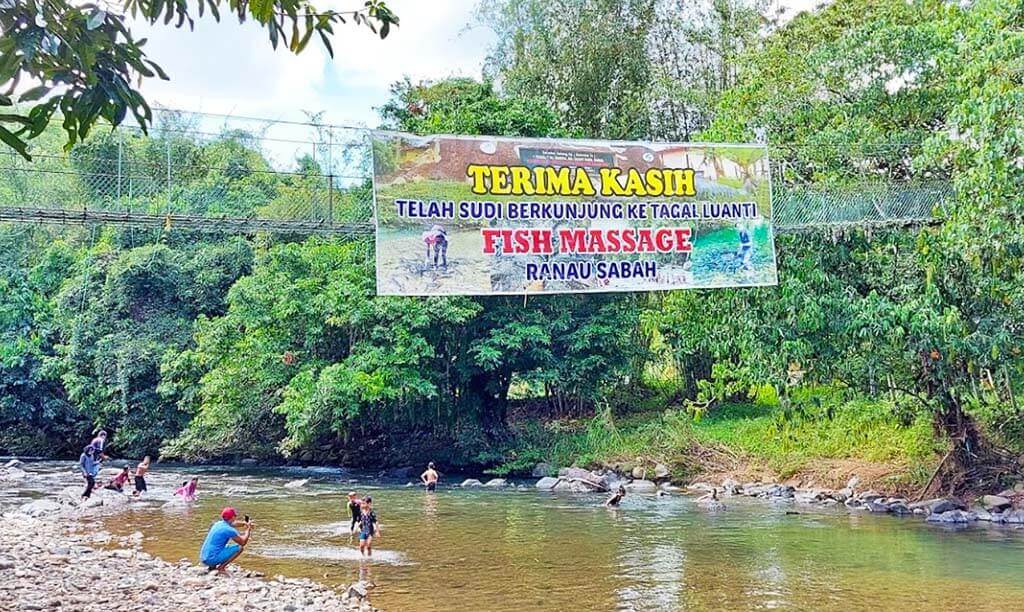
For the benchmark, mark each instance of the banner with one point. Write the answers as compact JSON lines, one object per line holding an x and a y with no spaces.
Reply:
{"x":459,"y":215}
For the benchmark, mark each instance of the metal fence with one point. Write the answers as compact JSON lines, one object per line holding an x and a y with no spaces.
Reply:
{"x":241,"y":175}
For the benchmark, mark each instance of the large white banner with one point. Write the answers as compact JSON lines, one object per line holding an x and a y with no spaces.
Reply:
{"x":459,"y":215}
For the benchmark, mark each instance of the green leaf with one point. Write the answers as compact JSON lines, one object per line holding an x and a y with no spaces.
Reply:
{"x":11,"y":140}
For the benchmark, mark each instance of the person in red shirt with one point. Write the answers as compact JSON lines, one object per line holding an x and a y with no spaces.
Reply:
{"x":117,"y":482}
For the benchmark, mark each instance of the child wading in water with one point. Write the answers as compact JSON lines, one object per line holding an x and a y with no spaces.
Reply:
{"x":187,"y":490}
{"x":117,"y":482}
{"x":355,"y":508}
{"x":140,"y":476}
{"x":368,"y":527}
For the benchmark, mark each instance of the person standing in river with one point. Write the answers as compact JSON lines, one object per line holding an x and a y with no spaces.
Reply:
{"x":368,"y":527}
{"x":140,"y":476}
{"x":89,"y":463}
{"x":430,"y":477}
{"x":355,"y":509}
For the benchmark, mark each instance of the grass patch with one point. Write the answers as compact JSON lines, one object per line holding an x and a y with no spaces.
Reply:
{"x":785,"y":440}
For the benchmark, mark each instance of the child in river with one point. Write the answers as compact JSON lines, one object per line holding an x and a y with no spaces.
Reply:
{"x":355,"y":508}
{"x":187,"y":490}
{"x":368,"y":527}
{"x":614,"y":500}
{"x":117,"y":482}
{"x":140,"y":477}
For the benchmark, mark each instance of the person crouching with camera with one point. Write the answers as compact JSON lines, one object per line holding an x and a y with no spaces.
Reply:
{"x":224,"y":543}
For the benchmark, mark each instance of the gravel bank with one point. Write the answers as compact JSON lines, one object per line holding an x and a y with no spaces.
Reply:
{"x":54,"y":562}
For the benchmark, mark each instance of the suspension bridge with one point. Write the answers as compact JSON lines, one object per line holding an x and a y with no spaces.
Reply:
{"x":229,"y":174}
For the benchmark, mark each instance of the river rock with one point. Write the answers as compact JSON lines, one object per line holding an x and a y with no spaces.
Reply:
{"x":661,"y":471}
{"x":952,"y":516}
{"x":899,"y":508}
{"x":13,"y":463}
{"x":639,"y":473}
{"x":945,"y":505}
{"x":641,"y":486}
{"x":471,"y":482}
{"x":496,"y":483}
{"x":547,"y":483}
{"x":995,"y":502}
{"x":1010,"y":516}
{"x":730,"y":487}
{"x":982,"y":513}
{"x":296,"y":484}
{"x":40,"y":507}
{"x":852,"y":483}
{"x":541,"y":470}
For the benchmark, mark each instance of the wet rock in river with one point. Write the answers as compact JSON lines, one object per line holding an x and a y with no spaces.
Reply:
{"x":1010,"y":516}
{"x":40,"y":507}
{"x":661,"y":471}
{"x":13,"y":463}
{"x":471,"y":482}
{"x":952,"y":516}
{"x":547,"y":483}
{"x":730,"y":487}
{"x":296,"y":484}
{"x":496,"y":483}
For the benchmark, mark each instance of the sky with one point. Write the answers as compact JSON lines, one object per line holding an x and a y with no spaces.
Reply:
{"x":231,"y":69}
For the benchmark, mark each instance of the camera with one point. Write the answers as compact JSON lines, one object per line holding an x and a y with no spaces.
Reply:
{"x":246,"y":518}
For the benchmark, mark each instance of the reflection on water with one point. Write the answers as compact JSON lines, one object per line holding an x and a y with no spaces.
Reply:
{"x":515,"y":550}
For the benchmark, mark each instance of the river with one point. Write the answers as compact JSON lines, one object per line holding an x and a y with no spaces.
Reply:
{"x":476,"y":549}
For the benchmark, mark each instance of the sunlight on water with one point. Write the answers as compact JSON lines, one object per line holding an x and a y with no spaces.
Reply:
{"x":515,"y":550}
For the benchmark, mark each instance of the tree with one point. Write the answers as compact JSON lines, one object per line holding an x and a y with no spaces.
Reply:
{"x":81,"y":60}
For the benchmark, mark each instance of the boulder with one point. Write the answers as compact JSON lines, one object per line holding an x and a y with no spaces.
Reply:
{"x":730,"y":487}
{"x":563,"y":485}
{"x":952,"y":516}
{"x":296,"y":484}
{"x":995,"y":502}
{"x":982,"y":513}
{"x":639,"y":473}
{"x":1010,"y":516}
{"x":40,"y":507}
{"x":547,"y":483}
{"x":700,"y":486}
{"x":661,"y":471}
{"x":541,"y":470}
{"x":945,"y":505}
{"x":899,"y":508}
{"x":641,"y":486}
{"x":471,"y":482}
{"x":13,"y":463}
{"x":496,"y":483}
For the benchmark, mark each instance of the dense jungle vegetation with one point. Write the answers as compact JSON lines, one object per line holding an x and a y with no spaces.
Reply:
{"x":883,"y":344}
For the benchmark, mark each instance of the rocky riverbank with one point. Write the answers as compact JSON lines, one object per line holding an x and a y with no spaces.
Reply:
{"x":1004,"y":507}
{"x":54,"y":555}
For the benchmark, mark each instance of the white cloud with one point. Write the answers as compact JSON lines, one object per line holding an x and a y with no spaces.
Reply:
{"x":230,"y":68}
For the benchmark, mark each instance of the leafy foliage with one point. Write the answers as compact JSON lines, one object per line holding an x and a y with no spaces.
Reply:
{"x":81,"y":61}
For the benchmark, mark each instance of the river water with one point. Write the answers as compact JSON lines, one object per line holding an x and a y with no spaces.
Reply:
{"x":474,"y":549}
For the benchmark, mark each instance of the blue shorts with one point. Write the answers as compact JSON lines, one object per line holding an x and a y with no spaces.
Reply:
{"x":228,"y":552}
{"x":365,"y":535}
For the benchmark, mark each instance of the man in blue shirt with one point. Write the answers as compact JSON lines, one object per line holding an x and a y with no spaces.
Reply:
{"x":217,"y":552}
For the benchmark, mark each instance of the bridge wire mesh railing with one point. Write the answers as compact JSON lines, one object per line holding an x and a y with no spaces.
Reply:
{"x":242,"y":175}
